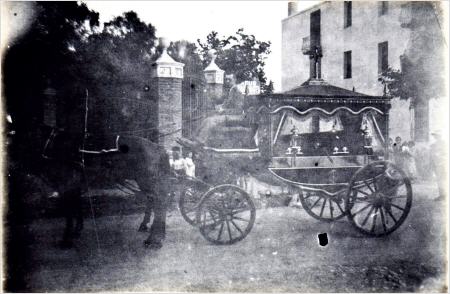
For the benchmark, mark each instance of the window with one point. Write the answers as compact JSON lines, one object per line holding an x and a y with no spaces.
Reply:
{"x":383,"y":8}
{"x":383,"y":61}
{"x":347,"y":64}
{"x":347,"y":13}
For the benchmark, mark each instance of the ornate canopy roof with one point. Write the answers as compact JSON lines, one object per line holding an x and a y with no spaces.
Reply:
{"x":318,"y":93}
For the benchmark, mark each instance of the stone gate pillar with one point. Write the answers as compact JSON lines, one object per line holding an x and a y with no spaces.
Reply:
{"x":214,"y":82}
{"x":167,"y":76}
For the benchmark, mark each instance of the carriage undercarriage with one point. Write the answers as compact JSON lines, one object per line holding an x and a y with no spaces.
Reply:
{"x":376,"y":201}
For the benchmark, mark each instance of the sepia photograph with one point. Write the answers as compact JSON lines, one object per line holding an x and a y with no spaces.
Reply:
{"x":225,"y":146}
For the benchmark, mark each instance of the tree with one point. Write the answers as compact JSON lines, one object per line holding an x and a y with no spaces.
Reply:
{"x":415,"y":81}
{"x":121,"y":54}
{"x":188,"y":54}
{"x":117,"y":68}
{"x":422,"y":64}
{"x":44,"y":57}
{"x":240,"y":54}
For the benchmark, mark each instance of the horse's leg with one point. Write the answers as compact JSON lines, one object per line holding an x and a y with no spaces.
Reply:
{"x":78,"y":213}
{"x":147,"y":214}
{"x":158,"y":228}
{"x":71,"y":202}
{"x":67,"y":239}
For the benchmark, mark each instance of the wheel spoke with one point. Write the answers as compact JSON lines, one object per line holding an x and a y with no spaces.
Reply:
{"x":229,"y":230}
{"x":315,"y":203}
{"x":331,"y":208}
{"x":398,"y":207}
{"x":323,"y":206}
{"x":240,"y":218}
{"x":391,"y":215}
{"x":362,"y":209}
{"x":237,"y":227}
{"x":362,"y":192}
{"x":360,"y":200}
{"x":220,"y":231}
{"x":340,"y":208}
{"x":374,"y":220}
{"x":308,"y":196}
{"x":234,"y":212}
{"x":367,"y":216}
{"x":368,"y":185}
{"x":398,"y":197}
{"x":383,"y":222}
{"x":375,"y":183}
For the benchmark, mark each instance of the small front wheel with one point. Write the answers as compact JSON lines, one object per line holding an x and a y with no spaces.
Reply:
{"x":189,"y":200}
{"x":379,"y":198}
{"x":225,"y":215}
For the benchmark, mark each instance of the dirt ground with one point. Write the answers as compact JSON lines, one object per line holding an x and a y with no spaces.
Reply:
{"x":281,"y":254}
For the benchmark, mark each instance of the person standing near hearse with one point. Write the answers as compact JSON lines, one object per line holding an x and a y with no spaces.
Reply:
{"x":438,"y":163}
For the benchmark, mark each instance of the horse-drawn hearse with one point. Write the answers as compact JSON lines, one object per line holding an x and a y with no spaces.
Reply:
{"x":328,"y":143}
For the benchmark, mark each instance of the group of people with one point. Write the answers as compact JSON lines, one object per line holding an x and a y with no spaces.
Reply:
{"x":182,"y":166}
{"x":405,"y":156}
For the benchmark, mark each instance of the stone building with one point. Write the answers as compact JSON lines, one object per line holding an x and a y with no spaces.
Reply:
{"x":359,"y":40}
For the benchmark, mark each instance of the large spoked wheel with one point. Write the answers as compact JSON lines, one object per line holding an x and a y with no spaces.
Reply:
{"x":189,"y":200}
{"x":225,"y":215}
{"x":323,"y":206}
{"x":379,"y":198}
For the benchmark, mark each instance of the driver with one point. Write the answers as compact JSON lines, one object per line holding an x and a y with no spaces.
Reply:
{"x":235,"y":99}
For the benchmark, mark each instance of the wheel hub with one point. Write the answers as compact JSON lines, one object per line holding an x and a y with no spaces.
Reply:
{"x":379,"y":199}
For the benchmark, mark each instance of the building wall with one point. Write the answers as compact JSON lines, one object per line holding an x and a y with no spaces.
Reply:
{"x":362,"y":38}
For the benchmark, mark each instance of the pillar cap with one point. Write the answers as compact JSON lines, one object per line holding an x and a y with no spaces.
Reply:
{"x":213,"y":74}
{"x":165,"y":66}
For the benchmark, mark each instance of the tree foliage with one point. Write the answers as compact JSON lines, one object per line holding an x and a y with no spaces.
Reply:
{"x":416,"y":81}
{"x":121,"y":54}
{"x":187,"y":53}
{"x":45,"y":53}
{"x":397,"y":84}
{"x":240,"y":54}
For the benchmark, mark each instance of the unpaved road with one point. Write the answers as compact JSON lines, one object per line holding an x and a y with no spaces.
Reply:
{"x":280,"y":254}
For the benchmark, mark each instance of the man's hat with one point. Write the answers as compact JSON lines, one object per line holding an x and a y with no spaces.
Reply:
{"x":176,"y":148}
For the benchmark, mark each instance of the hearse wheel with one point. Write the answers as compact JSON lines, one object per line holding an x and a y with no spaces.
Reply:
{"x":379,"y":198}
{"x":225,"y":215}
{"x":323,"y":206}
{"x":189,"y":200}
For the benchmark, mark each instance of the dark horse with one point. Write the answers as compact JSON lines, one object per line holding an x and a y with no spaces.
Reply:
{"x":148,"y":164}
{"x":64,"y":165}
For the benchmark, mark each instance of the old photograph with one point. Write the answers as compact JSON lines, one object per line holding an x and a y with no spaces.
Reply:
{"x":225,"y":146}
